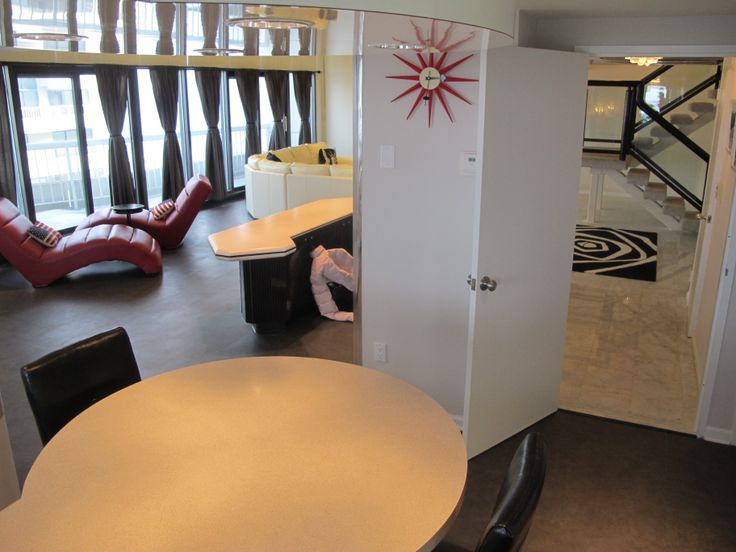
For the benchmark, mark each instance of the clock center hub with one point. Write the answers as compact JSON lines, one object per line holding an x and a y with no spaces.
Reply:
{"x":430,"y":78}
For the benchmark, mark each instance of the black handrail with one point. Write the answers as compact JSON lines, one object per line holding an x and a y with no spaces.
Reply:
{"x":665,"y":177}
{"x":672,"y":129}
{"x":635,"y":100}
{"x":677,"y":102}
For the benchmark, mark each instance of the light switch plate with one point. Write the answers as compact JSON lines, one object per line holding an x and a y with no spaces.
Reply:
{"x":468,"y":162}
{"x":387,"y":156}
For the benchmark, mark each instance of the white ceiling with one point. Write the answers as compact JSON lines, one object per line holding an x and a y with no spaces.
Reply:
{"x":623,"y":8}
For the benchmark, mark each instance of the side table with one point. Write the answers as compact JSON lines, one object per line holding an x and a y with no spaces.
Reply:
{"x":128,"y":209}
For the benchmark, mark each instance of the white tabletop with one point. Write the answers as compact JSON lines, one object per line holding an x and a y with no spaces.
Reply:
{"x":260,"y":453}
{"x":270,"y":236}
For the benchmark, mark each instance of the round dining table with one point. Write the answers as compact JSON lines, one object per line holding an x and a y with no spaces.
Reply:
{"x":254,"y":453}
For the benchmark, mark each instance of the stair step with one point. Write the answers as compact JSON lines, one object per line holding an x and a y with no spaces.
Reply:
{"x":689,"y":222}
{"x":656,"y":191}
{"x":643,"y":142}
{"x":673,"y":206}
{"x":638,"y":177}
{"x":681,"y":119}
{"x":660,"y":132}
{"x":702,"y":107}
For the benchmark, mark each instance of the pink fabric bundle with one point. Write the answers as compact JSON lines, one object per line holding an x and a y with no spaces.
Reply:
{"x":331,"y":265}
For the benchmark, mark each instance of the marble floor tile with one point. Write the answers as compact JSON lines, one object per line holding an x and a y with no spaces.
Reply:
{"x":627,"y":354}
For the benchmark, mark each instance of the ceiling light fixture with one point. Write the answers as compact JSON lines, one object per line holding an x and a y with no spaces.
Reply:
{"x":644,"y":61}
{"x":50,"y":37}
{"x":268,"y":22}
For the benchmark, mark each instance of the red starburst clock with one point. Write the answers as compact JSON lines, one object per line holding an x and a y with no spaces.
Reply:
{"x":432,"y":69}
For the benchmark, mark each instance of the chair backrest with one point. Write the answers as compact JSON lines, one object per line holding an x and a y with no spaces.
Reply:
{"x":190,"y":199}
{"x":62,"y":384}
{"x":15,"y":245}
{"x":517,"y":499}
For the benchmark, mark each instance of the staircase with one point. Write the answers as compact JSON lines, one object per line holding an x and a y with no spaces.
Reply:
{"x":666,"y":137}
{"x":656,"y":193}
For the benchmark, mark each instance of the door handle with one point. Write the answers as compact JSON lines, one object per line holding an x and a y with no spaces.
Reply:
{"x":486,"y":284}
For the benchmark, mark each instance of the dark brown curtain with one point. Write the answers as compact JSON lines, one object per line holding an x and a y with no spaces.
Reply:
{"x":303,"y":97}
{"x":210,"y":14}
{"x":108,"y":11}
{"x":279,"y":42}
{"x":305,"y":38}
{"x":251,"y":42}
{"x":277,"y":85}
{"x":247,"y":80}
{"x":208,"y":84}
{"x":165,"y":15}
{"x":7,"y":172}
{"x":165,"y":83}
{"x":7,"y":16}
{"x":112,"y":82}
{"x":71,"y":23}
{"x":129,"y":27}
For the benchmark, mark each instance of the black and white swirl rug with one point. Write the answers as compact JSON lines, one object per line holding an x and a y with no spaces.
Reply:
{"x":614,"y":252}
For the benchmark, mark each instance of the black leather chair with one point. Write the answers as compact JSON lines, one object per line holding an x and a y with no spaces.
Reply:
{"x":62,"y":384}
{"x":517,"y":499}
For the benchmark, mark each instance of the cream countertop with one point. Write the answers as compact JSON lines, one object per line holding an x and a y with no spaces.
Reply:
{"x":271,"y":236}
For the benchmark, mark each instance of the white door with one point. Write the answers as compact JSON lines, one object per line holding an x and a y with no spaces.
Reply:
{"x":531,"y":147}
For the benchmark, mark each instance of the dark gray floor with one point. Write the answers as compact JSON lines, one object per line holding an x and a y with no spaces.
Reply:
{"x":610,"y":486}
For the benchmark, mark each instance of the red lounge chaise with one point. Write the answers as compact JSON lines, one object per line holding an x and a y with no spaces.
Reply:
{"x":41,"y":265}
{"x":169,"y":232}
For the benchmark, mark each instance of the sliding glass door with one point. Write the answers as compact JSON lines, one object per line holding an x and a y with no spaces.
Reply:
{"x":53,"y":149}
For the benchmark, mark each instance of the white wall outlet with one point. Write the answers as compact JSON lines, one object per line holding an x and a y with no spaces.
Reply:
{"x":379,"y":351}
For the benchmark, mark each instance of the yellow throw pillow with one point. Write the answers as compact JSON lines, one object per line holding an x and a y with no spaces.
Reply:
{"x":314,"y":151}
{"x":301,"y":153}
{"x":284,"y":155}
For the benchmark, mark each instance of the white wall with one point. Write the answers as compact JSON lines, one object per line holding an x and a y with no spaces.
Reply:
{"x":720,"y":419}
{"x":567,"y":32}
{"x":416,"y":221}
{"x":335,"y":89}
{"x":718,"y":299}
{"x":338,"y":110}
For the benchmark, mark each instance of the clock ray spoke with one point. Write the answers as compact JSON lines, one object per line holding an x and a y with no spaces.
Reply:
{"x":459,"y":79}
{"x":407,"y":91}
{"x":430,"y":98}
{"x":460,"y":42}
{"x":416,"y":104}
{"x":441,"y":61}
{"x":408,"y":63}
{"x":421,"y":59}
{"x":441,"y":98}
{"x":455,"y":64}
{"x":402,"y":77}
{"x":454,"y":92}
{"x":445,"y":37}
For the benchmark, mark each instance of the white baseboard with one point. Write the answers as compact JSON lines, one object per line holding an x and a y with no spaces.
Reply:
{"x":717,"y":435}
{"x":459,"y":421}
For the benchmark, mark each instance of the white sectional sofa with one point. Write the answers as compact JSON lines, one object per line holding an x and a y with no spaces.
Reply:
{"x":298,"y":178}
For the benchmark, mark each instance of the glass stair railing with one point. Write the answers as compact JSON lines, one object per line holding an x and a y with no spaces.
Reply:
{"x":665,"y":122}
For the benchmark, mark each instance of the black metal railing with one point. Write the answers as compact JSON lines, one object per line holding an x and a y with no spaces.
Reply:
{"x":634,"y":104}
